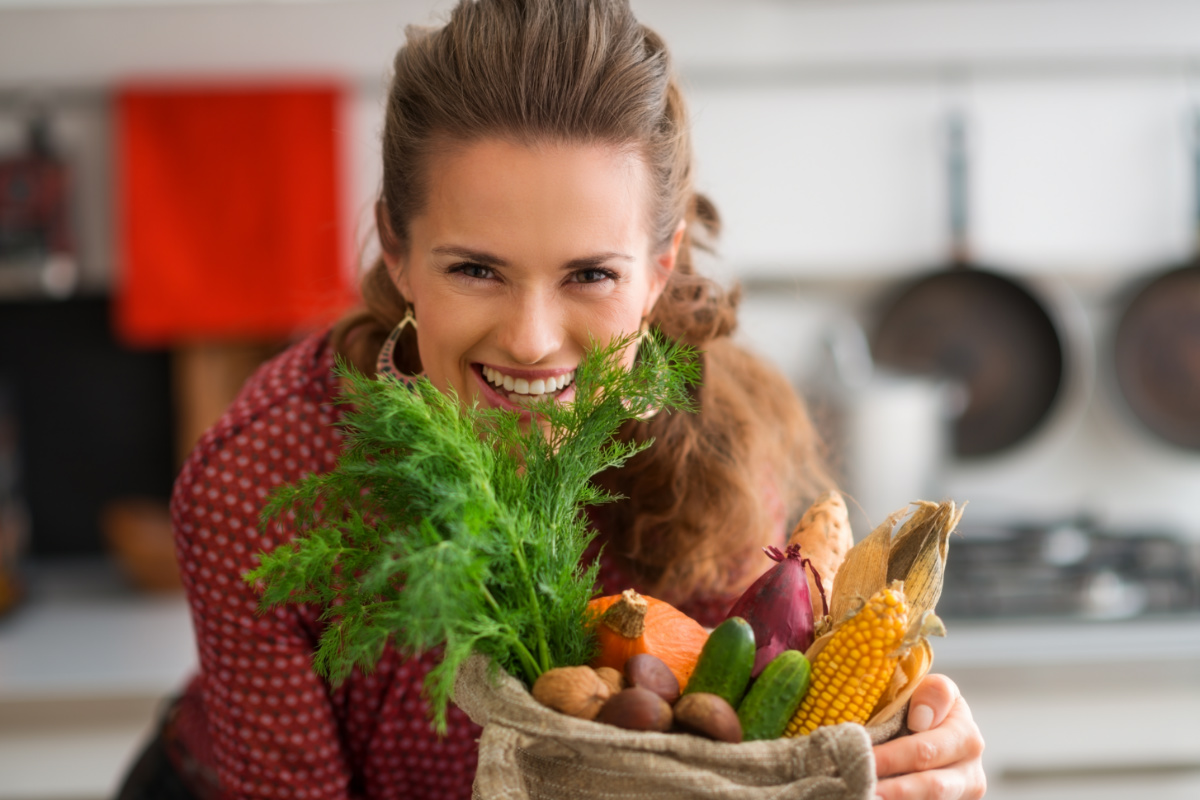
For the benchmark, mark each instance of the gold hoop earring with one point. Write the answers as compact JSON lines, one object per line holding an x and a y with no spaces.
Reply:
{"x":385,"y":364}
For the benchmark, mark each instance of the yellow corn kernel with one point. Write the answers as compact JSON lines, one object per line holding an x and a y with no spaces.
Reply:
{"x":856,"y":666}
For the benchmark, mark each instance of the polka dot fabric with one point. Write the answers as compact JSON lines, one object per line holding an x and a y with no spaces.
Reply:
{"x":256,"y":717}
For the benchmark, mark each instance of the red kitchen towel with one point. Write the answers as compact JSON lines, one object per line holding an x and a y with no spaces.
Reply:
{"x":229,"y":213}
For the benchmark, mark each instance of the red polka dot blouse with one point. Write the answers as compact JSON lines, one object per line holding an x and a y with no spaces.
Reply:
{"x":256,"y":721}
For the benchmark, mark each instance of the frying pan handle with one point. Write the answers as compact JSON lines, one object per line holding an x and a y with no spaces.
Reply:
{"x":956,"y":185}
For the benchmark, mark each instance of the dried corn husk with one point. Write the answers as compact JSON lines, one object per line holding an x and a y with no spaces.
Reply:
{"x":918,"y":555}
{"x":913,"y":666}
{"x":864,"y":571}
{"x":910,"y":538}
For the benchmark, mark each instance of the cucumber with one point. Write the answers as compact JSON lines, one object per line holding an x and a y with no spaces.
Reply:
{"x":725,"y":662}
{"x":775,"y":696}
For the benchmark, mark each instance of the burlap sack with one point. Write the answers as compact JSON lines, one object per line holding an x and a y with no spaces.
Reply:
{"x":530,"y":751}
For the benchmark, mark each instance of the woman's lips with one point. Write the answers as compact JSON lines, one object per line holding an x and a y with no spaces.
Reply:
{"x":498,"y":397}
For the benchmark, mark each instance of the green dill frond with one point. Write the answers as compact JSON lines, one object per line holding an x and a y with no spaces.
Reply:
{"x":454,"y":527}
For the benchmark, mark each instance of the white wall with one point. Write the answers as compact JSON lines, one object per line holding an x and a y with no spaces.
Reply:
{"x":95,"y":41}
{"x":1070,"y":174}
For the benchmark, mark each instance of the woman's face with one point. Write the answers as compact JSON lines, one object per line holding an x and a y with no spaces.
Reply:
{"x":521,"y":258}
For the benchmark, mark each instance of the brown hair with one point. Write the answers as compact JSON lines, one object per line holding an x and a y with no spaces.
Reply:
{"x":587,"y":71}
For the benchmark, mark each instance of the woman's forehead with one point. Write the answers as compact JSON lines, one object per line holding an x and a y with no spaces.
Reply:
{"x":551,"y":165}
{"x":496,"y":188}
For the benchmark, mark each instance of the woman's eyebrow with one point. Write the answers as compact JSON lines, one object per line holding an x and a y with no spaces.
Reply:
{"x":466,"y":254}
{"x":594,"y":261}
{"x":489,"y":260}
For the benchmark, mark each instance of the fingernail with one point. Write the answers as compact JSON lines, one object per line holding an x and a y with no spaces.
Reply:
{"x":920,"y":719}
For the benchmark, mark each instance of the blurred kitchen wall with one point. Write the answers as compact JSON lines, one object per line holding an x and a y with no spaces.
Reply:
{"x":820,"y":134}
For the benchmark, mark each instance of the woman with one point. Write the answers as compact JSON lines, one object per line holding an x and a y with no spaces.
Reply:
{"x":537,"y":193}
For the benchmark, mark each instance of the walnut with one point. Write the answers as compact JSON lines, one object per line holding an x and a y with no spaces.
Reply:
{"x":575,"y":691}
{"x":614,"y":679}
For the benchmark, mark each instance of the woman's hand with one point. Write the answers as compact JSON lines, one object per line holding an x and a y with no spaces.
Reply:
{"x":941,"y":760}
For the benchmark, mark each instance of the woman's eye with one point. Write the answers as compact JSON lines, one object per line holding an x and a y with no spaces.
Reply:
{"x":593,"y":276}
{"x":477,"y":271}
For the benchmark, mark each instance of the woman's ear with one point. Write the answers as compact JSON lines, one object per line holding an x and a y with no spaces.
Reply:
{"x":397,"y":272}
{"x":665,"y":261}
{"x":389,"y":245}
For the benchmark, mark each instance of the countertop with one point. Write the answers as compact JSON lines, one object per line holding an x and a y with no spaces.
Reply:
{"x":83,"y":632}
{"x":85,"y":665}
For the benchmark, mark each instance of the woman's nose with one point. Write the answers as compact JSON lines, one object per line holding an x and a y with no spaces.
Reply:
{"x":532,"y":330}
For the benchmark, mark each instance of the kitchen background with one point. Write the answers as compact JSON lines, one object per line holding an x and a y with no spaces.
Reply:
{"x":963,"y":229}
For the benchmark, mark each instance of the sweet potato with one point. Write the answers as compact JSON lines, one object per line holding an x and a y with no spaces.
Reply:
{"x":824,"y":536}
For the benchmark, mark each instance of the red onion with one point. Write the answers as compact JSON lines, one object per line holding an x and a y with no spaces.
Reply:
{"x":778,"y":608}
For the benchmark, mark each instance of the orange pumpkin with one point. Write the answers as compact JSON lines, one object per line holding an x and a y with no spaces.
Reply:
{"x":630,"y":623}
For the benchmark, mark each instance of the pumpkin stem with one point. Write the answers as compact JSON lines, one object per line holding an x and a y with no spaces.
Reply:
{"x":627,"y":616}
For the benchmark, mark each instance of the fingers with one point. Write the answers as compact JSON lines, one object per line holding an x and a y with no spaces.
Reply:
{"x":942,"y":759}
{"x":939,"y":785}
{"x":940,"y":764}
{"x":931,"y":702}
{"x":957,"y":739}
{"x":962,"y":782}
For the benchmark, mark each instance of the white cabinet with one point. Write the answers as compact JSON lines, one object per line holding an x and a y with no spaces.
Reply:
{"x":1091,"y":743}
{"x":1095,"y":711}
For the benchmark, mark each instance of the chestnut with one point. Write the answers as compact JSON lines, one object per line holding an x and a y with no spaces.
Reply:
{"x":651,"y":672}
{"x":636,"y":709}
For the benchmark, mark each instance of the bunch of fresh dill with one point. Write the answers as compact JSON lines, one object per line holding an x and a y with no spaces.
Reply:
{"x":454,"y":526}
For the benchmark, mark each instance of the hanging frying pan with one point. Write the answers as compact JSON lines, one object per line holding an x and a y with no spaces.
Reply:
{"x":1157,"y":344}
{"x":977,"y":327}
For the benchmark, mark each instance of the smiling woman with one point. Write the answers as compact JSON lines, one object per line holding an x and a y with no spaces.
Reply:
{"x":537,"y":198}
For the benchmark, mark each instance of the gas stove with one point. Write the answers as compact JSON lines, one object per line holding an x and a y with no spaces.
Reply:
{"x":1068,"y":570}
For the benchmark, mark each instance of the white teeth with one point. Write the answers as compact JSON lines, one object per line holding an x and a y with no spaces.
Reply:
{"x":524,"y":388}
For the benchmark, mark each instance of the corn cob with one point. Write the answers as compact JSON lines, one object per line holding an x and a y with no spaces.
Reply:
{"x":851,"y":673}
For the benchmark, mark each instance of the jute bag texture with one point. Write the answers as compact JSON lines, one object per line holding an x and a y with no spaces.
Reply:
{"x":529,"y":752}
